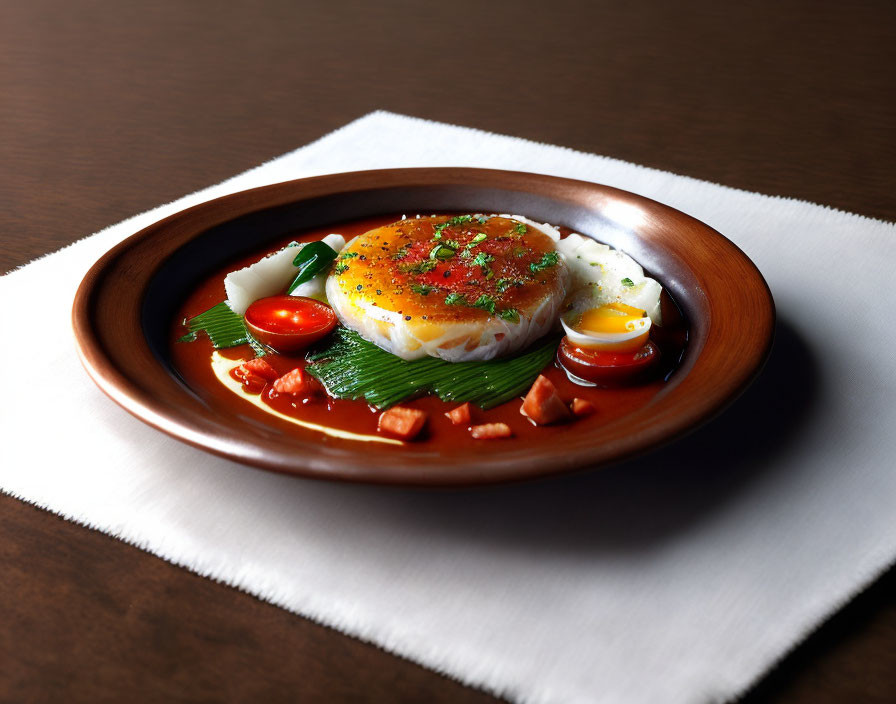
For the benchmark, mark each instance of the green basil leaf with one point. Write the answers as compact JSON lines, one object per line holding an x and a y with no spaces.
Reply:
{"x":312,"y":259}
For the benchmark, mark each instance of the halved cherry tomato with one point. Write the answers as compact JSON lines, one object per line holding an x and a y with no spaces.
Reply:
{"x":609,"y":368}
{"x":289,"y":323}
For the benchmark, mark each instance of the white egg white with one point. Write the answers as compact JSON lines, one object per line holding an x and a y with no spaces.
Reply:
{"x":598,"y":340}
{"x":602,"y":275}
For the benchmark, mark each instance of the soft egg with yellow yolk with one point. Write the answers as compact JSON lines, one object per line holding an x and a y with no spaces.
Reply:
{"x":612,"y":327}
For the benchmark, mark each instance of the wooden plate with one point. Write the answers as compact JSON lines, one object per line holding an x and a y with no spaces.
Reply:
{"x":125,"y":305}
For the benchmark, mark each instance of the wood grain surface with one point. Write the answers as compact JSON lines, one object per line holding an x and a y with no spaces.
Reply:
{"x":108,"y":108}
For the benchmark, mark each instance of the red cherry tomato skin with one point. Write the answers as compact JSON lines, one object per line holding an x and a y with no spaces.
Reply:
{"x":609,"y":369}
{"x":289,"y":323}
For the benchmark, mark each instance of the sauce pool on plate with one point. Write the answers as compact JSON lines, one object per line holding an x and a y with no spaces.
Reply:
{"x":221,"y":377}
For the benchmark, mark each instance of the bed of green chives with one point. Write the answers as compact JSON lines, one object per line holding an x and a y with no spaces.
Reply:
{"x":223,"y":327}
{"x":351,"y":367}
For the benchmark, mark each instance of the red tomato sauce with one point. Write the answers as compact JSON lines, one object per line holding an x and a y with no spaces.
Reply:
{"x":192,"y":360}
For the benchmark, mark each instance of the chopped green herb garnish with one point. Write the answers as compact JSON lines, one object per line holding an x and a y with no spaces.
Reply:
{"x":455,"y":299}
{"x":459,"y":219}
{"x":401,"y":253}
{"x":420,"y":267}
{"x":520,"y":228}
{"x":422,"y":289}
{"x":340,"y":268}
{"x":482,"y":219}
{"x":482,"y":259}
{"x":510,"y":314}
{"x":548,"y":259}
{"x":441,"y":252}
{"x":347,"y":255}
{"x":485,"y":303}
{"x":503,"y":284}
{"x":478,"y":238}
{"x":627,"y":282}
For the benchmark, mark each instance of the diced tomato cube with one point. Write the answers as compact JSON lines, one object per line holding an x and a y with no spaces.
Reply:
{"x":299,"y":383}
{"x":260,"y":367}
{"x":403,"y":423}
{"x":582,"y":408}
{"x":460,"y":415}
{"x":255,"y":374}
{"x":491,"y":431}
{"x":543,"y":404}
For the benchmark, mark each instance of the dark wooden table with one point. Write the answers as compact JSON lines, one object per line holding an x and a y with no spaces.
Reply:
{"x":109,"y":108}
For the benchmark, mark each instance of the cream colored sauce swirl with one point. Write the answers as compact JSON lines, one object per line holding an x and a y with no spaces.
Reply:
{"x":221,"y":366}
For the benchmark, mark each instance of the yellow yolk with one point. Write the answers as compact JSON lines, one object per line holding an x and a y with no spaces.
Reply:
{"x":613,"y":327}
{"x":610,"y":318}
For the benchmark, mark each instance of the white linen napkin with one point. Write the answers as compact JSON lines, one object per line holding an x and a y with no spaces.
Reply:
{"x":679,"y":577}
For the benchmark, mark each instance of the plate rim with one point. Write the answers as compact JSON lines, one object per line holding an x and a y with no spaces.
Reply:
{"x":100,"y":363}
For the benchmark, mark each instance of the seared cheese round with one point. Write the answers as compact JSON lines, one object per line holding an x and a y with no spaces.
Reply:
{"x":460,"y":288}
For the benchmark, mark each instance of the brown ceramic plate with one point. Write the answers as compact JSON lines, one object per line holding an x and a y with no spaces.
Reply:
{"x":125,"y":305}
